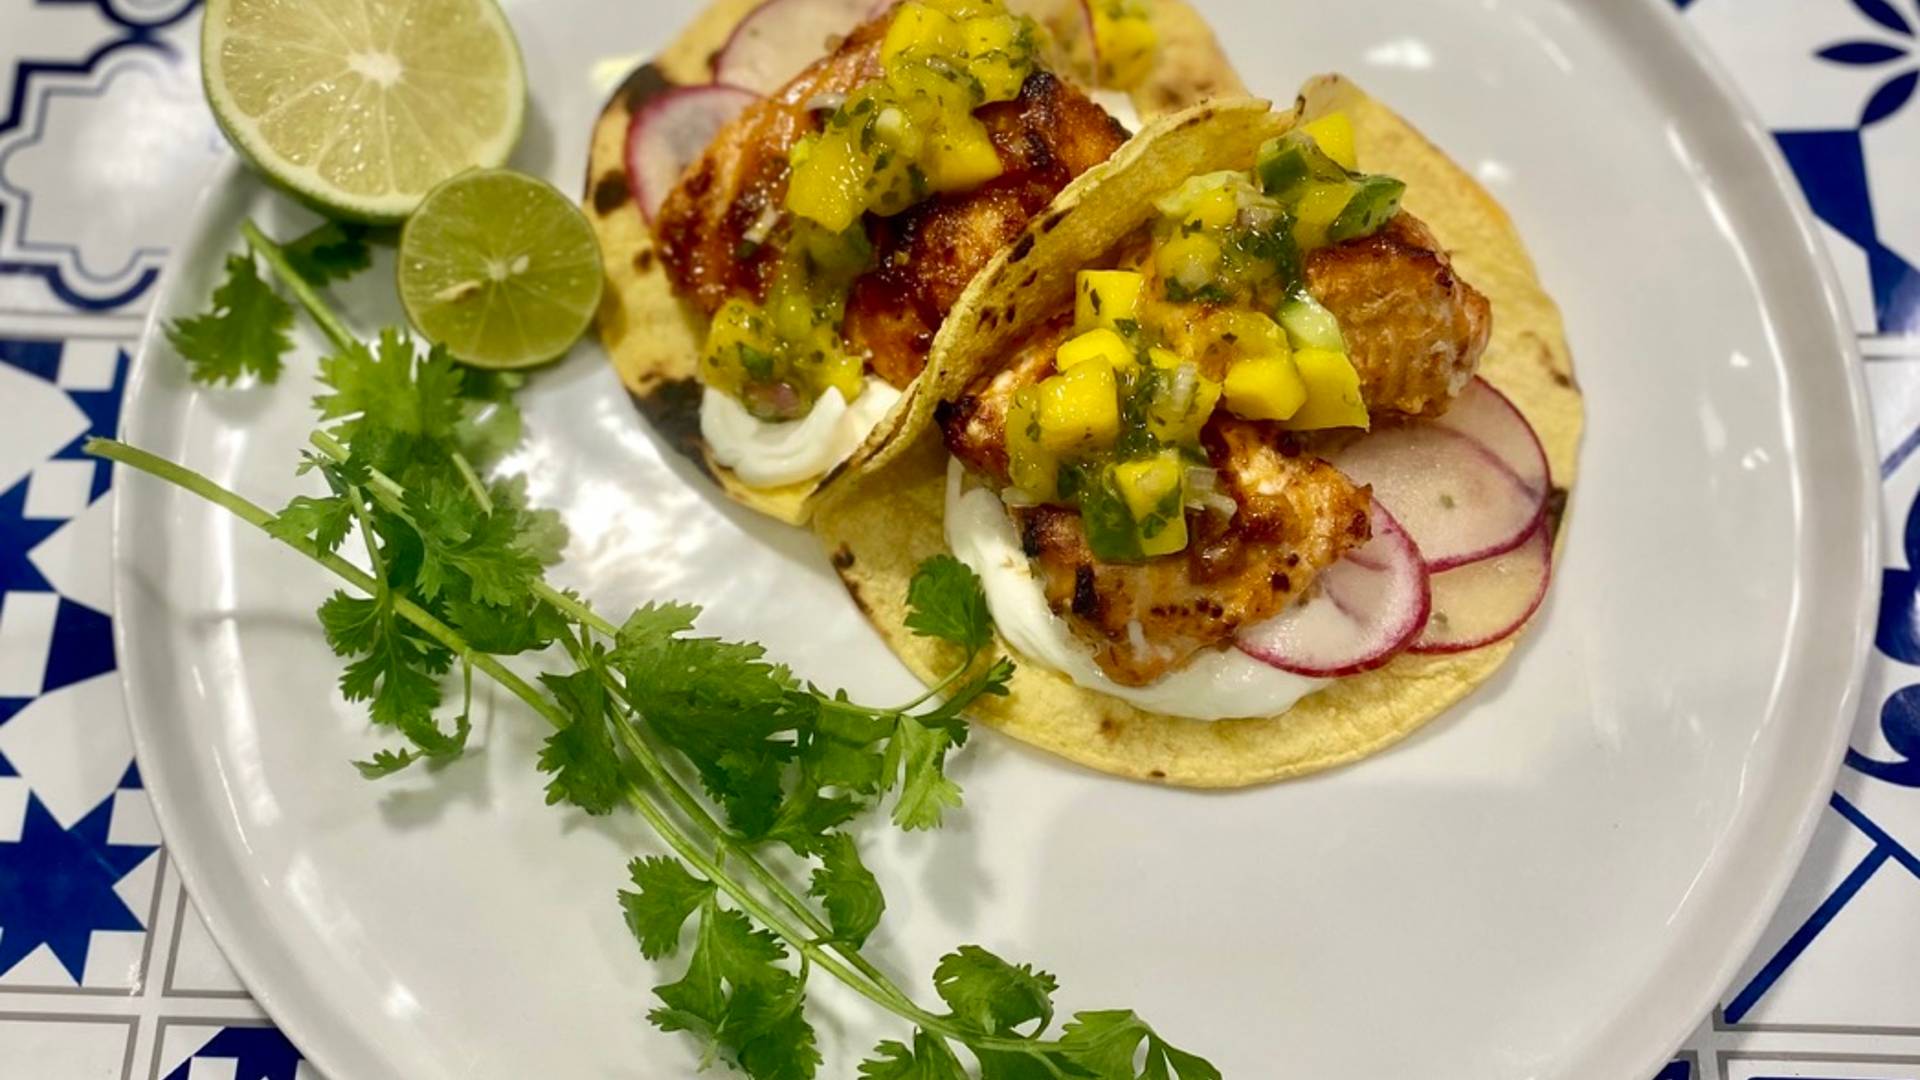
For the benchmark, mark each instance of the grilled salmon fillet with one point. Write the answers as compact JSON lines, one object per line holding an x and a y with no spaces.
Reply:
{"x":924,"y":257}
{"x":742,"y":179}
{"x":1298,"y":516}
{"x":1415,"y":332}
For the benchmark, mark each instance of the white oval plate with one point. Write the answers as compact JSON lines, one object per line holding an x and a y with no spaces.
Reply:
{"x":1552,"y":881}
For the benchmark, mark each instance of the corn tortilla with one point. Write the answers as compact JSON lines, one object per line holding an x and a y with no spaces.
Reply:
{"x":880,"y":529}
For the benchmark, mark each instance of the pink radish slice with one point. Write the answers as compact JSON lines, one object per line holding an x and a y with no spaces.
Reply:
{"x":1486,"y":416}
{"x":671,"y":132}
{"x":1369,"y":607}
{"x":1487,"y":601}
{"x":1457,"y":500}
{"x":778,"y":39}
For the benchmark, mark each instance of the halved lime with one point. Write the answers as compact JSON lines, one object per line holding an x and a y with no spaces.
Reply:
{"x":363,"y":106}
{"x":500,"y":268}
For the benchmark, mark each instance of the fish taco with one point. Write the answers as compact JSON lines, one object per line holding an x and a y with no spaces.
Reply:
{"x":1262,"y":451}
{"x":785,"y":232}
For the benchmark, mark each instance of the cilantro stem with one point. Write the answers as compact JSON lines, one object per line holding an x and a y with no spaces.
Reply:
{"x":856,"y":972}
{"x":885,"y":994}
{"x":260,"y":518}
{"x":276,"y":259}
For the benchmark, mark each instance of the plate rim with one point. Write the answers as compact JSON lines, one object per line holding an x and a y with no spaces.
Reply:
{"x":304,"y":1022}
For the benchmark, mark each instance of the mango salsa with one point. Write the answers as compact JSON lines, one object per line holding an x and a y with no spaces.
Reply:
{"x":1333,"y":393}
{"x":1128,"y":43}
{"x":1099,"y":345}
{"x":1155,"y":493}
{"x":1078,"y":410}
{"x":1333,"y":134}
{"x":1265,"y":388}
{"x":1106,"y":298}
{"x":1032,"y":467}
{"x":912,"y":133}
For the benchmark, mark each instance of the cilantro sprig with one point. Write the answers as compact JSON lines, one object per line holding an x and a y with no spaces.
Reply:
{"x":749,"y":775}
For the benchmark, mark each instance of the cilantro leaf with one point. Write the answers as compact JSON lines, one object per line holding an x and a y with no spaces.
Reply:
{"x":928,"y":1059}
{"x":390,"y":392}
{"x":334,"y":251}
{"x":505,"y":631}
{"x":847,"y":890}
{"x":1108,"y":1042}
{"x":586,"y":767}
{"x":806,"y":820}
{"x":991,"y":995}
{"x":668,"y":896}
{"x":243,"y":333}
{"x":740,"y":1001}
{"x":397,"y":669}
{"x":464,"y":544}
{"x":317,"y":524}
{"x":385,"y":763}
{"x":916,"y":761}
{"x":949,"y":603}
{"x":719,"y":703}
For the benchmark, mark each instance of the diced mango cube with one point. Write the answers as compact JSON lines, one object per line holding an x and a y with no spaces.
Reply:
{"x":1265,"y":388}
{"x":1099,"y":345}
{"x":963,"y":156}
{"x":1189,"y":261}
{"x":1155,"y":494}
{"x":1333,"y":392}
{"x":1215,"y":209}
{"x":1164,"y":359}
{"x":1240,"y":333}
{"x":1319,"y":207}
{"x":1106,"y":298}
{"x":1128,"y":45}
{"x":1033,"y":468}
{"x":989,"y":33}
{"x":1078,"y":409}
{"x":828,"y":181}
{"x":918,"y":27}
{"x":1334,"y":134}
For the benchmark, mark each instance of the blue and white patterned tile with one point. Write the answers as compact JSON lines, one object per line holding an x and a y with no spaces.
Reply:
{"x":212,"y":1052}
{"x":77,"y":901}
{"x":75,"y":235}
{"x":1836,"y":80}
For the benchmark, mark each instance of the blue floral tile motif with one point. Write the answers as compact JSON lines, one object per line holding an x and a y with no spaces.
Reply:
{"x":258,"y":1053}
{"x":1898,"y":56}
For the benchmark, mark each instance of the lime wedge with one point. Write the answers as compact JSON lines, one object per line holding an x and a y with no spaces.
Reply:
{"x":363,"y":106}
{"x":500,"y":268}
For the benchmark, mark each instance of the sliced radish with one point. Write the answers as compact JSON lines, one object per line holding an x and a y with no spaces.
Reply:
{"x":778,"y":39}
{"x":1487,"y":601}
{"x":1369,"y":606}
{"x":1488,"y":417}
{"x":1457,"y":500}
{"x":671,"y":132}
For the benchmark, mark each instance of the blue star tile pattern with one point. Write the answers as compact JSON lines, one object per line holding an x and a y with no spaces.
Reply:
{"x":6,"y":767}
{"x":258,"y":1053}
{"x":19,"y":535}
{"x":56,"y":887}
{"x":1679,"y":1070}
{"x":82,"y":646}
